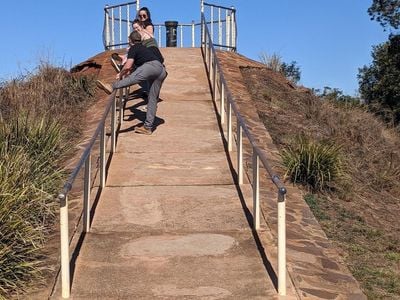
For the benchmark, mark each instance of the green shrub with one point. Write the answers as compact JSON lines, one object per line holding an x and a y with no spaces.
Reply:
{"x":317,"y":165}
{"x":30,"y":155}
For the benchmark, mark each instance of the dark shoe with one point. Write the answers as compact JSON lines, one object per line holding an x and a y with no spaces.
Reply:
{"x":145,"y":94}
{"x":105,"y":87}
{"x":143,"y":130}
{"x":116,"y":57}
{"x":116,"y":66}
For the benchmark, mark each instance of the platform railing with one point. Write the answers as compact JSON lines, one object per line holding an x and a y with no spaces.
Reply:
{"x":118,"y":24}
{"x":227,"y":110}
{"x":98,"y":142}
{"x":221,"y":20}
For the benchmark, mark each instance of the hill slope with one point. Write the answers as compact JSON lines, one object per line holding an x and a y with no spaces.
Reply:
{"x":361,"y":215}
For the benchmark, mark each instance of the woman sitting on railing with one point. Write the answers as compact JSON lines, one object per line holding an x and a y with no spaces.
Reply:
{"x":144,"y":16}
{"x":145,"y":27}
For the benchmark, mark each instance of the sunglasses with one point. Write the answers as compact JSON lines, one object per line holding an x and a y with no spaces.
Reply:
{"x":143,"y":16}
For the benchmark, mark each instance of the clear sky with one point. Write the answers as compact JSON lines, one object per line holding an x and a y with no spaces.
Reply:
{"x":329,"y":40}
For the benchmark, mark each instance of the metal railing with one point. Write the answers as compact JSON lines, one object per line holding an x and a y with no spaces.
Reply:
{"x":85,"y":163}
{"x":222,"y":25}
{"x":118,"y":25}
{"x":187,"y":35}
{"x":227,"y":108}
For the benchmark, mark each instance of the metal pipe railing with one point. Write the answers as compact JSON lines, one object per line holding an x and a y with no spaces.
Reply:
{"x":85,"y":161}
{"x":115,"y":33}
{"x":229,"y":21}
{"x":227,"y":100}
{"x":116,"y":17}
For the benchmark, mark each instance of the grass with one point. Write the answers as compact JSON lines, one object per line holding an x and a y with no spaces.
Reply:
{"x":361,"y":213}
{"x":35,"y":137}
{"x":373,"y":255}
{"x":29,"y":173}
{"x":317,"y":165}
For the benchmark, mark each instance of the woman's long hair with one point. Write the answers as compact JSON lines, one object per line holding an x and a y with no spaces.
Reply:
{"x":147,"y":11}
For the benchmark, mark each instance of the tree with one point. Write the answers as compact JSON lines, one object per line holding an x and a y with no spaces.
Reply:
{"x":380,"y":82}
{"x":290,"y":71}
{"x":337,"y":95}
{"x":386,"y":12}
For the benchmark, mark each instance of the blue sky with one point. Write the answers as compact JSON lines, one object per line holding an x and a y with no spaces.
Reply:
{"x":329,"y":40}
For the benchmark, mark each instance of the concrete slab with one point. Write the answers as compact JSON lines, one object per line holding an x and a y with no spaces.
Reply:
{"x":170,"y":209}
{"x":169,"y":266}
{"x":179,"y":112}
{"x":187,"y":79}
{"x":132,"y":169}
{"x":186,"y":127}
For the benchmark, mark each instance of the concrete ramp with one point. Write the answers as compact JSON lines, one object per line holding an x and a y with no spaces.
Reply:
{"x":171,"y":224}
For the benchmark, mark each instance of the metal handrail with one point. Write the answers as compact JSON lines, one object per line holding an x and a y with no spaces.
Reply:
{"x":219,"y":6}
{"x":68,"y":185}
{"x":122,"y":4}
{"x":85,"y":161}
{"x":116,"y":28}
{"x":113,"y":24}
{"x":219,"y":84}
{"x":230,"y":23}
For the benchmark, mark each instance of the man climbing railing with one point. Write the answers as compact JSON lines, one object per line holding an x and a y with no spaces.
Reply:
{"x":228,"y":107}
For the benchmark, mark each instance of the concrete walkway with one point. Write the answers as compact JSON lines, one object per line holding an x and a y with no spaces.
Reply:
{"x":171,"y":224}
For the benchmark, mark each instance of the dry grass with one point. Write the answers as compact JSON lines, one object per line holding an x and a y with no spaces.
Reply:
{"x":35,"y":134}
{"x":362,"y":215}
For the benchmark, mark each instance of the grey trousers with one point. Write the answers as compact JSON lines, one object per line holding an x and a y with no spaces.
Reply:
{"x":154,"y":73}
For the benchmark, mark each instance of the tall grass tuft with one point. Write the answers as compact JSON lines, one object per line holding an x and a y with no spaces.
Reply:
{"x":319,"y":166}
{"x":39,"y":112}
{"x":30,"y":155}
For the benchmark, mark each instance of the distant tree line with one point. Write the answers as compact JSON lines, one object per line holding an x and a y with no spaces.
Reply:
{"x":380,"y":81}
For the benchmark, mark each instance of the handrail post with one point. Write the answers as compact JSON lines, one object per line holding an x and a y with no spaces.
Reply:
{"x":159,"y":35}
{"x":211,"y":60}
{"x":112,"y":29}
{"x":212,"y":24}
{"x":113,"y":125}
{"x":229,"y":126}
{"x":107,"y":21}
{"x":120,"y":25}
{"x":219,"y":28}
{"x":102,"y":157}
{"x":239,"y":152}
{"x":128,"y":23}
{"x":233,"y":29}
{"x":206,"y":42}
{"x":282,"y":242}
{"x":64,"y":245}
{"x":214,"y":82}
{"x":256,"y":190}
{"x":222,"y":107}
{"x":86,"y":195}
{"x":181,"y":36}
{"x":121,"y":105}
{"x":193,"y":34}
{"x":228,"y":30}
